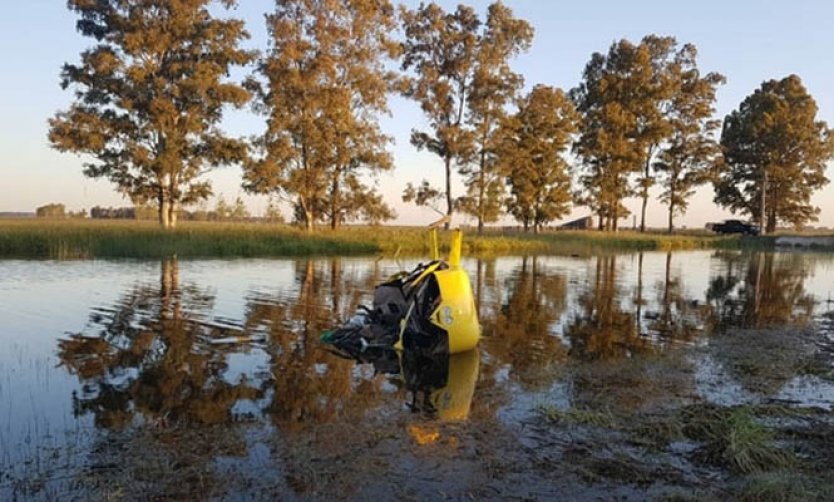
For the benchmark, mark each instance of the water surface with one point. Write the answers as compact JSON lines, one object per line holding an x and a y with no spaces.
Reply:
{"x":98,"y":353}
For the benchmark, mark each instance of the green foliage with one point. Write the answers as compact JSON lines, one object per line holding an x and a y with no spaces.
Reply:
{"x":135,"y":239}
{"x":532,"y":143}
{"x":141,"y":239}
{"x":775,"y":152}
{"x":149,"y":97}
{"x":326,"y":84}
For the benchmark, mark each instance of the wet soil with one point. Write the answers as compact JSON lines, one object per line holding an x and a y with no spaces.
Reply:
{"x":634,"y":430}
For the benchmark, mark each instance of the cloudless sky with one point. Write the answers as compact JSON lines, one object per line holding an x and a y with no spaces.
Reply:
{"x":748,"y":41}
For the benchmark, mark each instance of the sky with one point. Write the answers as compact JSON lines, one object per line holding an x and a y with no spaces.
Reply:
{"x":747,"y":41}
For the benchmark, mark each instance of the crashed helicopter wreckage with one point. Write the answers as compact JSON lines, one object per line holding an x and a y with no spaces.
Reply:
{"x":431,"y":308}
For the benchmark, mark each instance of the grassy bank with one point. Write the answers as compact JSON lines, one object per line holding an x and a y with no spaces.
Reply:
{"x":72,"y":239}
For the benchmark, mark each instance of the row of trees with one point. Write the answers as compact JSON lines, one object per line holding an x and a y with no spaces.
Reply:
{"x":150,"y":97}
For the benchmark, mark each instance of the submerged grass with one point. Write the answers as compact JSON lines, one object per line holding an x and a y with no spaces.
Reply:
{"x":71,"y":239}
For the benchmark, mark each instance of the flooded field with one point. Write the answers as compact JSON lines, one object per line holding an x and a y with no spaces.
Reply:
{"x":703,"y":375}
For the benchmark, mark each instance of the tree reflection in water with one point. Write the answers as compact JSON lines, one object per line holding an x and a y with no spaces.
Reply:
{"x":307,"y":384}
{"x":151,"y":355}
{"x":764,"y":293}
{"x":680,"y":318}
{"x":601,"y":327}
{"x":520,"y":330}
{"x":760,"y":290}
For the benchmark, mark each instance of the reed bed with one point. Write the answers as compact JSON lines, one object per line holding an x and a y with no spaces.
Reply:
{"x":81,"y":239}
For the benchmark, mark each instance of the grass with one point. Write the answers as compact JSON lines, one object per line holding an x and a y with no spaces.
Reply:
{"x":71,"y":239}
{"x":734,"y":438}
{"x":74,"y":239}
{"x":576,"y":416}
{"x":637,"y":241}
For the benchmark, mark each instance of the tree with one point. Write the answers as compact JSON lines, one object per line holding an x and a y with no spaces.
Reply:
{"x":533,"y":141}
{"x":623,"y":98}
{"x":775,"y":152}
{"x":51,"y":211}
{"x":273,"y":212}
{"x":149,"y":97}
{"x":326,"y":84}
{"x":440,"y":48}
{"x":493,"y":86}
{"x":222,"y":209}
{"x":239,"y":212}
{"x":690,"y":155}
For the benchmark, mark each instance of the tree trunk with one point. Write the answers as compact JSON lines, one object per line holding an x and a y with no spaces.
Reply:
{"x":481,"y":190}
{"x":645,"y":192}
{"x":449,"y":204}
{"x":771,"y":221}
{"x":643,"y":210}
{"x":172,"y":214}
{"x":671,"y":214}
{"x":762,"y":211}
{"x":334,"y":205}
{"x":164,"y":213}
{"x":600,"y":224}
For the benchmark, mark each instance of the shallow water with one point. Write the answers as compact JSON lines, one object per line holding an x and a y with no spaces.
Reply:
{"x":99,"y":351}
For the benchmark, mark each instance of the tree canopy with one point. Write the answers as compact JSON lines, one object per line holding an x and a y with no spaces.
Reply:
{"x":149,"y":97}
{"x":533,"y":142}
{"x":639,"y":102}
{"x":462,"y":80}
{"x":691,"y":154}
{"x":326,"y":84}
{"x":775,"y":150}
{"x":494,"y":86}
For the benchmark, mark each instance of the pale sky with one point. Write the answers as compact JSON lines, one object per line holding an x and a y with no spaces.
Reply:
{"x":748,"y":41}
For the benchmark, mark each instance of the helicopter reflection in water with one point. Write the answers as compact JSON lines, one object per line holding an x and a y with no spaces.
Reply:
{"x":441,"y":385}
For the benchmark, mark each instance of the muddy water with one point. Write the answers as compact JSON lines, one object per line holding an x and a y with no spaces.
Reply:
{"x":207,"y":378}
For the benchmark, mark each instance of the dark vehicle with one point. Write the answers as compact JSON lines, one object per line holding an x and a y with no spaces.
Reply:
{"x":735,"y":227}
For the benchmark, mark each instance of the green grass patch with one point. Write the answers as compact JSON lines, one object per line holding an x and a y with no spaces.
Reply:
{"x":70,"y":239}
{"x":592,"y":241}
{"x":733,"y":437}
{"x":74,"y":239}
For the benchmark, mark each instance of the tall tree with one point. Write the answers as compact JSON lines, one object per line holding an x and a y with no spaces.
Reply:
{"x":624,"y":99}
{"x":326,"y":85}
{"x":656,"y":86}
{"x":150,"y":95}
{"x":775,"y":152}
{"x":690,"y":155}
{"x":493,"y":87}
{"x":530,"y":153}
{"x":440,"y":49}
